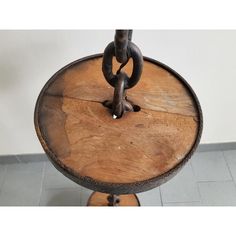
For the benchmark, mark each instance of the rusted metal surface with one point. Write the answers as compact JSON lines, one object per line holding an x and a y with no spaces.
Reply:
{"x":122,"y":37}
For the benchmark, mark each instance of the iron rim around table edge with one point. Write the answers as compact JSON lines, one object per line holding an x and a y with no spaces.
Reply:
{"x":118,"y":188}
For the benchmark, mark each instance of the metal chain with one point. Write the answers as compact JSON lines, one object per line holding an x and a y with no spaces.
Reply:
{"x":123,"y":49}
{"x":122,"y":37}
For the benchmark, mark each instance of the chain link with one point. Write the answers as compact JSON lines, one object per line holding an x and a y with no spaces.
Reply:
{"x":122,"y":37}
{"x":123,"y":49}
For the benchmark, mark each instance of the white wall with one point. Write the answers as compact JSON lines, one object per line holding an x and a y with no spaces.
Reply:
{"x":206,"y":59}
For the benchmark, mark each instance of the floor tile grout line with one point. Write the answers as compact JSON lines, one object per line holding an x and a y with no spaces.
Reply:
{"x":42,"y":181}
{"x":80,"y":195}
{"x":195,"y":178}
{"x":215,"y":181}
{"x":3,"y":178}
{"x":59,"y":188}
{"x":228,"y":165}
{"x":229,"y":168}
{"x":18,"y":159}
{"x":183,"y":202}
{"x":160,"y":196}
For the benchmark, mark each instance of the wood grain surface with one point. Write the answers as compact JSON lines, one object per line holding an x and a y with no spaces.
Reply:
{"x":79,"y":130}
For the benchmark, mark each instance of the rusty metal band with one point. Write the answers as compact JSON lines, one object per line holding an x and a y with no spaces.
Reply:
{"x":116,"y":188}
{"x":107,"y":66}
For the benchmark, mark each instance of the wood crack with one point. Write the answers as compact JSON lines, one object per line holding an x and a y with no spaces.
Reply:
{"x":100,"y":102}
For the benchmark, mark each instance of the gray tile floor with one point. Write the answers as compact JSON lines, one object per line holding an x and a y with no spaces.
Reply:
{"x":208,"y":179}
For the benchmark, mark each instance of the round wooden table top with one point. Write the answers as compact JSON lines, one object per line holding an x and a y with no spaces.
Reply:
{"x":135,"y":153}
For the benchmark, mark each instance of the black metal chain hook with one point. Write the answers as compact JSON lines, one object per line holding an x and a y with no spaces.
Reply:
{"x":123,"y":49}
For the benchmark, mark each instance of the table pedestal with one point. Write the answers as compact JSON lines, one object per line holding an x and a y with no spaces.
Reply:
{"x":101,"y":199}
